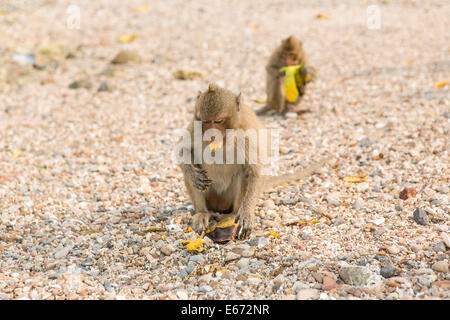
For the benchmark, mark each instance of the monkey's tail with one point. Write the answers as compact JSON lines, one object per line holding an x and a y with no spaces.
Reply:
{"x":278,"y":180}
{"x":262,"y":111}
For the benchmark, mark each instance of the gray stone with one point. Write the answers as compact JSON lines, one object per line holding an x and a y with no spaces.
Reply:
{"x":230,"y":256}
{"x":358,"y":204}
{"x":242,"y":263}
{"x":205,"y":289}
{"x":439,"y":247}
{"x":441,"y":266}
{"x":387,"y":271}
{"x":198,"y":258}
{"x":258,"y":242}
{"x":355,"y":275}
{"x":420,"y":216}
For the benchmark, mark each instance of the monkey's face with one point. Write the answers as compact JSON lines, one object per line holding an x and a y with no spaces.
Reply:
{"x":215,"y":123}
{"x":291,"y":59}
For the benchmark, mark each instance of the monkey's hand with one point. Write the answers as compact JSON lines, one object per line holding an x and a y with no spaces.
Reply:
{"x":198,"y":177}
{"x":200,"y":222}
{"x":245,"y":224}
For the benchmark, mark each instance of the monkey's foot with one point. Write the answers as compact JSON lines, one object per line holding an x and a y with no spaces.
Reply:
{"x":200,"y":222}
{"x":245,"y":226}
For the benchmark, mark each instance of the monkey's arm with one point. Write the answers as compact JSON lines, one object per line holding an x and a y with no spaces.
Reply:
{"x":276,"y":99}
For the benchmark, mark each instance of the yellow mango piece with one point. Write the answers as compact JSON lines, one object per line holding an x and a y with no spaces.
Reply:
{"x":189,"y":229}
{"x":356,"y":179}
{"x":17,"y":154}
{"x":290,"y":81}
{"x":141,"y":8}
{"x":215,"y":145}
{"x":2,"y":11}
{"x":126,"y":39}
{"x":195,"y":245}
{"x":322,"y":16}
{"x":441,"y":84}
{"x":273,"y":234}
{"x":259,"y":101}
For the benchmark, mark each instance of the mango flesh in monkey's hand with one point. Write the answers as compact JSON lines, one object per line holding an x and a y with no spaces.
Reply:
{"x":224,"y":230}
{"x":294,"y":79}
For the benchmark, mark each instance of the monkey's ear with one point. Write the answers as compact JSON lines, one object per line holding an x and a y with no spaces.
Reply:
{"x":238,"y":102}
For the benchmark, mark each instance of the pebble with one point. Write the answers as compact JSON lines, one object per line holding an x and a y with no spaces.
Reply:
{"x":306,"y":294}
{"x":445,"y":239}
{"x":291,"y":115}
{"x":126,"y":56}
{"x":166,"y":250}
{"x":328,"y":283}
{"x":269,"y":204}
{"x":420,"y":216}
{"x":182,"y":294}
{"x":242,"y":263}
{"x":205,"y":289}
{"x":439,"y":247}
{"x":198,"y":258}
{"x":393,"y":250}
{"x":84,"y":83}
{"x":230,"y":256}
{"x":441,"y":266}
{"x":258,"y":242}
{"x":299,"y":285}
{"x":355,"y":275}
{"x":387,"y":271}
{"x":333,"y":199}
{"x":359,"y":203}
{"x":62,"y":253}
{"x":105,"y":86}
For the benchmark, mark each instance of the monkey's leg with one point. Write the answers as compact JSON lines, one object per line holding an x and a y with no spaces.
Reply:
{"x":246,"y":211}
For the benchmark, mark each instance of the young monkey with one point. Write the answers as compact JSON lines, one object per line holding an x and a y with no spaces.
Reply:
{"x":289,"y":53}
{"x":227,"y":188}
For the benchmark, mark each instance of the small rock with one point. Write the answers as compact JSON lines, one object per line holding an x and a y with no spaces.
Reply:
{"x":166,"y":250}
{"x":86,"y":84}
{"x":173,"y":228}
{"x":328,"y":283}
{"x":126,"y":56}
{"x":393,"y":249}
{"x":230,"y":256}
{"x":182,"y":294}
{"x":439,"y":247}
{"x":441,"y":266}
{"x":420,"y":216}
{"x":205,"y":289}
{"x":291,"y":115}
{"x":269,"y":204}
{"x":381,"y":258}
{"x":339,"y":220}
{"x":355,"y":275}
{"x":445,"y":239}
{"x":306,"y":294}
{"x":387,"y":271}
{"x":279,"y":280}
{"x":105,"y":86}
{"x":359,"y":203}
{"x":242,"y":263}
{"x":365,"y":142}
{"x":298,"y":285}
{"x":407,"y":193}
{"x":258,"y":242}
{"x":333,"y":199}
{"x":198,"y":258}
{"x":62,"y":253}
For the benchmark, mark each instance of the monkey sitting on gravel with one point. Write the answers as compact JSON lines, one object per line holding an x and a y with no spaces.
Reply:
{"x":221,"y":187}
{"x":287,"y":77}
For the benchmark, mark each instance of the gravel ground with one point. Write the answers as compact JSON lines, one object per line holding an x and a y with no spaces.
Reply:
{"x":85,"y":173}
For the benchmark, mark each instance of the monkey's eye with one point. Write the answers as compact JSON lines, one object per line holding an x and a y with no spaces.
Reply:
{"x":219,"y":121}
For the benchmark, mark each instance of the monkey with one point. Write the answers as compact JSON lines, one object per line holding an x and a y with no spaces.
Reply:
{"x":218,"y":189}
{"x":289,"y":53}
